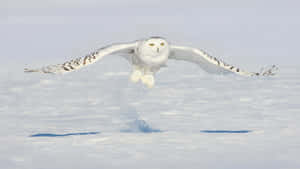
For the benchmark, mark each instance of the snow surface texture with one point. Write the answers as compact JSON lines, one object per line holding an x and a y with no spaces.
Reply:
{"x":95,"y":118}
{"x":140,"y":128}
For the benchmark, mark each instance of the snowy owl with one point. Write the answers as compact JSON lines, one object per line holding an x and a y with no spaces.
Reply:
{"x":148,"y":55}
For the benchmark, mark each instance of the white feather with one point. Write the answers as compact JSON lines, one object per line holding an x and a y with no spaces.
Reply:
{"x":147,"y":56}
{"x":210,"y":63}
{"x":78,"y":63}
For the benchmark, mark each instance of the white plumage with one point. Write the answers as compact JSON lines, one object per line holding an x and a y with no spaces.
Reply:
{"x":147,"y":56}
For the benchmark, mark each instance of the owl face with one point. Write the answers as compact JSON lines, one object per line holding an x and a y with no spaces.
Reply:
{"x":155,"y":46}
{"x":153,"y":51}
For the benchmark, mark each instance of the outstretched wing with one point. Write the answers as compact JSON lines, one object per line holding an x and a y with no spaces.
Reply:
{"x":212,"y":64}
{"x":124,"y":48}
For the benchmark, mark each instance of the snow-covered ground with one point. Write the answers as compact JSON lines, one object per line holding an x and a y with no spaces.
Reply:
{"x":184,"y":102}
{"x":95,"y":118}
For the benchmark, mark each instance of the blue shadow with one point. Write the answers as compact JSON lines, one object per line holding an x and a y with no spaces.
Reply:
{"x":63,"y":135}
{"x":140,"y":126}
{"x":225,"y":131}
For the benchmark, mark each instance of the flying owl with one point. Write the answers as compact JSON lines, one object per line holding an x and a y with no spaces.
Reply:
{"x":148,"y":56}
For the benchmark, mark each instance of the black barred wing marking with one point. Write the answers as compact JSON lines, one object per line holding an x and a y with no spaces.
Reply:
{"x":212,"y":64}
{"x":86,"y":60}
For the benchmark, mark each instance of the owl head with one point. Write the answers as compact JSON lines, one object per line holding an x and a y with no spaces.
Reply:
{"x":155,"y":46}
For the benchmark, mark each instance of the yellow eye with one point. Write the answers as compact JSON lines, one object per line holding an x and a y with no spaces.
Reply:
{"x":151,"y":44}
{"x":162,"y":44}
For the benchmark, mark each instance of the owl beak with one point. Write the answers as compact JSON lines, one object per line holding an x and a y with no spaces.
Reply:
{"x":157,"y":50}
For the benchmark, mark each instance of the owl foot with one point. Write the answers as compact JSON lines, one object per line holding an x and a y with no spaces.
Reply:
{"x":136,"y":76}
{"x":148,"y":80}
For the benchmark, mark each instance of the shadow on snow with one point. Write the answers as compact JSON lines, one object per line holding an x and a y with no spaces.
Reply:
{"x":225,"y":131}
{"x":140,"y":126}
{"x":63,"y":135}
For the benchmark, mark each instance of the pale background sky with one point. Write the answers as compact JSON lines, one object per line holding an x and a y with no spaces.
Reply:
{"x":239,"y":32}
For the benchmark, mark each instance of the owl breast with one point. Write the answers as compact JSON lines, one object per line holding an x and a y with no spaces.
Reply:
{"x":152,"y":58}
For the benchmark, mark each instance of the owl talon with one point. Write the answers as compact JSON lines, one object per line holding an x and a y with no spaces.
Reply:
{"x":148,"y":80}
{"x":136,"y":76}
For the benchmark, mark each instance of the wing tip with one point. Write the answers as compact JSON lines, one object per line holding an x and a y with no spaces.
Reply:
{"x":268,"y":71}
{"x":26,"y":70}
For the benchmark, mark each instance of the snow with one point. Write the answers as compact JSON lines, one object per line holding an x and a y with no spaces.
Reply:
{"x":149,"y":128}
{"x":96,"y":118}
